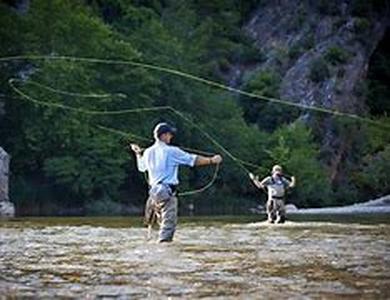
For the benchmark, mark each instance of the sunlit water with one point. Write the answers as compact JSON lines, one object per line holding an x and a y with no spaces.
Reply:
{"x":223,"y":258}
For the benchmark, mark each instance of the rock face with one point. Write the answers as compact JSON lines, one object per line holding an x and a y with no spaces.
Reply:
{"x":295,"y":35}
{"x":6,"y":207}
{"x":321,"y":50}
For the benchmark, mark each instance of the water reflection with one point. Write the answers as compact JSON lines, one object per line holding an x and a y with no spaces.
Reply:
{"x":41,"y":258}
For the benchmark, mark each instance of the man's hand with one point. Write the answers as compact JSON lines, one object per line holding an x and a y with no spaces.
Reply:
{"x":251,"y":176}
{"x":216,"y":159}
{"x":136,"y":149}
{"x":293,"y":182}
{"x":206,"y":160}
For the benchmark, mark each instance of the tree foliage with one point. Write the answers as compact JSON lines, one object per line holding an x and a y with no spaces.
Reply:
{"x":62,"y":160}
{"x":294,"y":148}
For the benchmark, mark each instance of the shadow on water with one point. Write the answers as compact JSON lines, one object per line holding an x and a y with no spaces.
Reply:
{"x":326,"y":256}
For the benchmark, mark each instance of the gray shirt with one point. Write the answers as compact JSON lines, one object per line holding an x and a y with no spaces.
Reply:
{"x":276,"y":186}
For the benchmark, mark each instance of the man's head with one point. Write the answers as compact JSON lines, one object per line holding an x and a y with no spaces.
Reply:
{"x":164,"y":132}
{"x":277,"y":170}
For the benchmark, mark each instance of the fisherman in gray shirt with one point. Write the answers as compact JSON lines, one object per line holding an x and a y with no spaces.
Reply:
{"x":277,"y":185}
{"x":161,"y":161}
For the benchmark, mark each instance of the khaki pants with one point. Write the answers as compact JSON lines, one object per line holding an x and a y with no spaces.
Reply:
{"x":276,"y":210}
{"x":165,"y":213}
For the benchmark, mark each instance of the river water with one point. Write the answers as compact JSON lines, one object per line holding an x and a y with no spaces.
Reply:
{"x":225,"y":258}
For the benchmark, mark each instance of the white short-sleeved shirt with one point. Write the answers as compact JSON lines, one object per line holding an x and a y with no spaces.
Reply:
{"x":162,"y":162}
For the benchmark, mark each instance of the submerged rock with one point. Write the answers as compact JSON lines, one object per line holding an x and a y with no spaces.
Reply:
{"x":7,"y":208}
{"x":291,"y":208}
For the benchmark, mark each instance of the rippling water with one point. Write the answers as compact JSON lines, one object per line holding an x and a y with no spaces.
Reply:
{"x":222,"y":258}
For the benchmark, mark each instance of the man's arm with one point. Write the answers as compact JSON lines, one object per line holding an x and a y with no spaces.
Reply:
{"x":288,"y":181}
{"x":180,"y":157}
{"x":292,"y":183}
{"x":257,"y":182}
{"x":204,"y":161}
{"x":138,"y":154}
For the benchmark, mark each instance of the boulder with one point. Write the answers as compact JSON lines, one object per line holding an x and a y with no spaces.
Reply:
{"x":291,"y":208}
{"x":7,"y":208}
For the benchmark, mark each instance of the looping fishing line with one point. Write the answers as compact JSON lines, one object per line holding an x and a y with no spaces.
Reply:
{"x":67,"y":93}
{"x":115,"y":131}
{"x":81,"y":110}
{"x":239,"y":162}
{"x":198,"y":79}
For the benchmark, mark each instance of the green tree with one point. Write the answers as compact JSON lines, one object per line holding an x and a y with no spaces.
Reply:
{"x":374,"y":176}
{"x":267,"y":115}
{"x":65,"y":147}
{"x":293,"y":147}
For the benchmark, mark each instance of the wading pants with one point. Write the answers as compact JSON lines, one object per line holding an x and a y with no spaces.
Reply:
{"x":165,"y":213}
{"x":276,"y":211}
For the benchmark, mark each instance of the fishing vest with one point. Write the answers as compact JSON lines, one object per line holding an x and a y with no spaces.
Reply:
{"x":276,"y":188}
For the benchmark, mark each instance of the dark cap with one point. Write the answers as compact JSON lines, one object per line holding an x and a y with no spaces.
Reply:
{"x":162,"y":128}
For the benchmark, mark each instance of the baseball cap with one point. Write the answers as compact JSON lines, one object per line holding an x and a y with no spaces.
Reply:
{"x":162,"y":128}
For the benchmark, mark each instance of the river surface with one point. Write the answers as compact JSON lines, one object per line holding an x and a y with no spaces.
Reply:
{"x":216,"y":258}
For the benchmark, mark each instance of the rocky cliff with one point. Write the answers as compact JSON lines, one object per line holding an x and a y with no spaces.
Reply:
{"x":321,"y":50}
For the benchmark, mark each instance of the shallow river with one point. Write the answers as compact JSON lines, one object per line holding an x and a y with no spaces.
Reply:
{"x":212,"y":258}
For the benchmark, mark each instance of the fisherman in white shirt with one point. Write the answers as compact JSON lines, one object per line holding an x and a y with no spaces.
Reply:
{"x":161,"y":161}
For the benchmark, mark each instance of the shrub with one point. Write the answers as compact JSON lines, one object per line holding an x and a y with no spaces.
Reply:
{"x":308,"y":42}
{"x":250,"y":54}
{"x":299,"y":47}
{"x":265,"y":83}
{"x":361,"y":25}
{"x":295,"y":51}
{"x":336,"y":55}
{"x":374,"y":175}
{"x":319,"y":70}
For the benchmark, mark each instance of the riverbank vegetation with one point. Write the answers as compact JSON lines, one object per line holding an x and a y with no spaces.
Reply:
{"x":63,"y":163}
